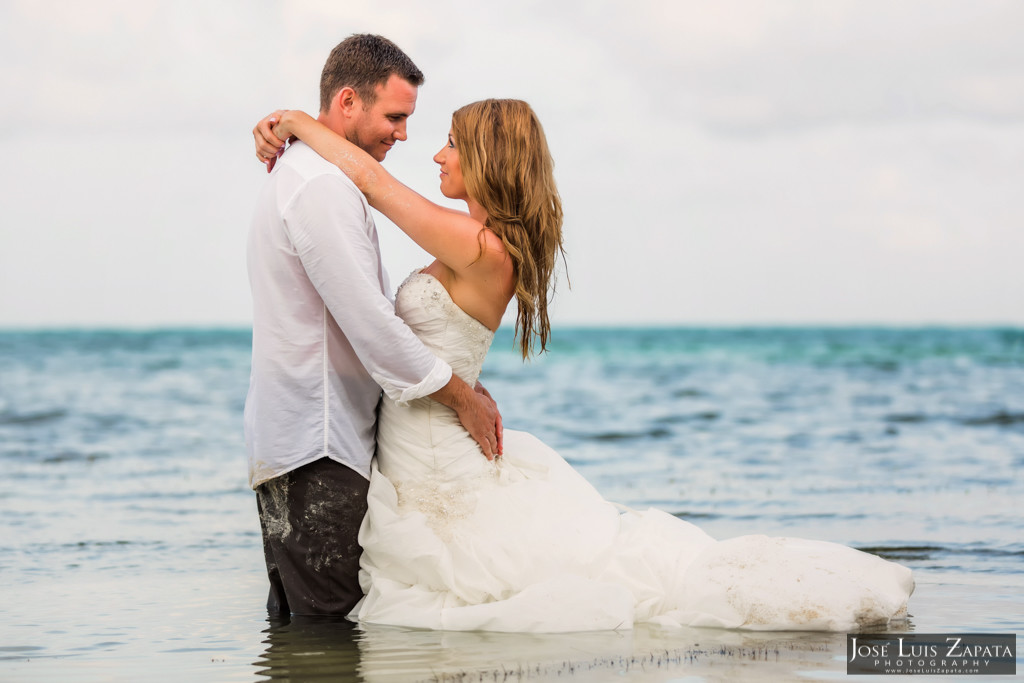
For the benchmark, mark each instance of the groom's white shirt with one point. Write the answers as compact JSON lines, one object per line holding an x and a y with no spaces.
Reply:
{"x":325,"y":335}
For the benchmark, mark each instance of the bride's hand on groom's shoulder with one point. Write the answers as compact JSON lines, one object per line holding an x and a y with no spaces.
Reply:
{"x":268,"y":145}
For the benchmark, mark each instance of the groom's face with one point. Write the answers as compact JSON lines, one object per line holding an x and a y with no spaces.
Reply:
{"x":378,"y":127}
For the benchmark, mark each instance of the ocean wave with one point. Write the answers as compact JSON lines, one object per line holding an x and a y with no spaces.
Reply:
{"x":33,"y":417}
{"x":906,"y":418}
{"x":912,"y":553}
{"x":1000,"y":418}
{"x":652,"y":433}
{"x":706,"y":415}
{"x":74,"y":456}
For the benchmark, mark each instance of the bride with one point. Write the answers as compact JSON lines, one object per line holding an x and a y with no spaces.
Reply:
{"x":523,"y":543}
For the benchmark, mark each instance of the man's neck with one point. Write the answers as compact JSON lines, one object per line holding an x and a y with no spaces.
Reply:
{"x":335,"y":123}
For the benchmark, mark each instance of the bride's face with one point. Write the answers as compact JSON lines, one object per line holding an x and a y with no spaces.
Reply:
{"x":452,"y":184}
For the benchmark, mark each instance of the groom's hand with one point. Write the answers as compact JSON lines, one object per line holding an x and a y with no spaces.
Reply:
{"x":476,"y":411}
{"x":480,"y":389}
{"x":481,"y":419}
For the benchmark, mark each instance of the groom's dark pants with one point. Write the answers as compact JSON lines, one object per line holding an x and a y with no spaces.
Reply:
{"x":310,"y":519}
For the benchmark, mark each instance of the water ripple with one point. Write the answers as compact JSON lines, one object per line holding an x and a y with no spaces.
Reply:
{"x":32,"y":418}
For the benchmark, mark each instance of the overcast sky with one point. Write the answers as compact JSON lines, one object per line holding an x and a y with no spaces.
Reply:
{"x":720,"y":162}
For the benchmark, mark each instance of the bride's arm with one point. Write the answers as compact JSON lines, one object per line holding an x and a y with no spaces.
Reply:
{"x":450,"y":236}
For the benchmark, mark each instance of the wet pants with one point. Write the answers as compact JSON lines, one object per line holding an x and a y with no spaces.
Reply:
{"x":310,"y":519}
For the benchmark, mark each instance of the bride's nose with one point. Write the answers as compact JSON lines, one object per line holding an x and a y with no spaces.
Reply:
{"x":438,"y":158}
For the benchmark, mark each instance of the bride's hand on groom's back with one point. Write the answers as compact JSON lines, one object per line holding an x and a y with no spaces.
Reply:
{"x":268,"y":145}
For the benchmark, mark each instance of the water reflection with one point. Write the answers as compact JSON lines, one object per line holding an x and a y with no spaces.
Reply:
{"x":308,"y":649}
{"x":394,"y":655}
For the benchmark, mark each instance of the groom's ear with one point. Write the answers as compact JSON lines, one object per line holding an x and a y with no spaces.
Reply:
{"x":346,"y":100}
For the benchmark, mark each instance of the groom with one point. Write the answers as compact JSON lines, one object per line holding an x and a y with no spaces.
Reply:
{"x":326,"y":339}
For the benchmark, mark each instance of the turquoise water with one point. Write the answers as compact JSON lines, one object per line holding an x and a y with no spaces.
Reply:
{"x":130,"y":548}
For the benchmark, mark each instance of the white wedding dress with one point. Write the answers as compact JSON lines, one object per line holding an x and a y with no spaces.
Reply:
{"x":453,"y":541}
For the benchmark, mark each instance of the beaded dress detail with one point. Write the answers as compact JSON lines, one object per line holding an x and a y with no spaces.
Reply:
{"x":454,"y":541}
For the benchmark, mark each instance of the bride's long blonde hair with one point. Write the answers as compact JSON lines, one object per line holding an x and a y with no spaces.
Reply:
{"x":508,"y":169}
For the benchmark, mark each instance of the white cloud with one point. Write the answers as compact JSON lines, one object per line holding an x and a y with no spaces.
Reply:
{"x":747,"y":67}
{"x":725,"y":161}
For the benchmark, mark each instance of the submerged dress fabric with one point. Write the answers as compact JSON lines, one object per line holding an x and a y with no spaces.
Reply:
{"x":454,"y":541}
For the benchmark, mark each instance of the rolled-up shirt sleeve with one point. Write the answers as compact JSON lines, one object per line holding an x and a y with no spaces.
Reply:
{"x":326,"y":222}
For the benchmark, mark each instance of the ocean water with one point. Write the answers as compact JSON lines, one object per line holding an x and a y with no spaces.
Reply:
{"x":130,"y":546}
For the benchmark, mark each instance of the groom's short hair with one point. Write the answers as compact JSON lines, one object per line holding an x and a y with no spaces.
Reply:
{"x":362,"y":62}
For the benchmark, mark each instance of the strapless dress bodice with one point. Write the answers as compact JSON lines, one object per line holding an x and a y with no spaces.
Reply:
{"x":453,"y":335}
